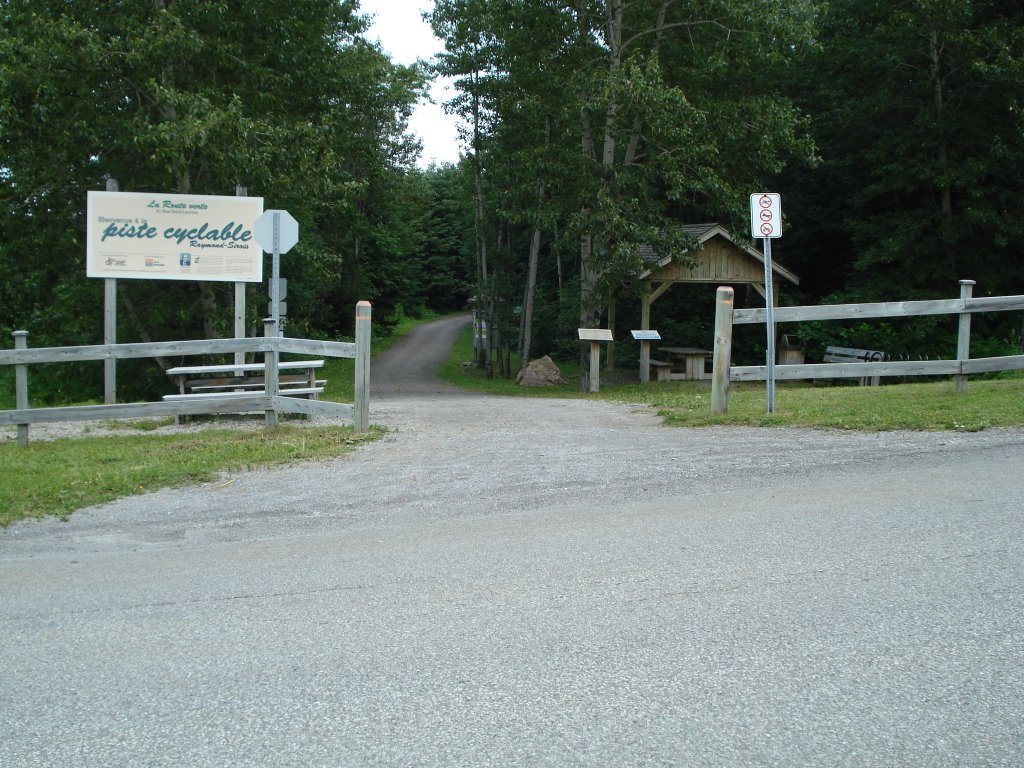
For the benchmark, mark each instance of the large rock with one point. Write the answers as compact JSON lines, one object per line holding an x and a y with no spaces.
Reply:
{"x":540,"y":373}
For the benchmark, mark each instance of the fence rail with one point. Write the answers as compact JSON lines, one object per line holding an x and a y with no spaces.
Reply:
{"x":885,"y":368}
{"x":881,"y":309}
{"x":270,"y":345}
{"x":960,"y":367}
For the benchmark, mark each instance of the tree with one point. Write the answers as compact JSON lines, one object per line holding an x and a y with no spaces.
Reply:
{"x":666,"y":109}
{"x":921,"y":173}
{"x":190,"y":96}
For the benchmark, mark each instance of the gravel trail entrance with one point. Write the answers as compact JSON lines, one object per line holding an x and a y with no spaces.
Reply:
{"x":504,"y":581}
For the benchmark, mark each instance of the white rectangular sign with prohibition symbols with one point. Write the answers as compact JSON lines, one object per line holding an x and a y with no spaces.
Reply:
{"x":173,"y":237}
{"x":765,"y":215}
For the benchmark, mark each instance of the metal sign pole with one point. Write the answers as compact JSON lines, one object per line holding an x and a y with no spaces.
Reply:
{"x":275,"y":276}
{"x":766,"y":222}
{"x":240,"y":191}
{"x":276,"y":232}
{"x":770,"y":322}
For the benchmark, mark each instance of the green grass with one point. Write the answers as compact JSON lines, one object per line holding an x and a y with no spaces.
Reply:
{"x":931,"y":405}
{"x":455,"y":372}
{"x":923,"y":406}
{"x":58,"y":477}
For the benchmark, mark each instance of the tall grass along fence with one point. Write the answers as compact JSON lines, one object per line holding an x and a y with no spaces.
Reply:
{"x":960,"y":368}
{"x":270,"y":401}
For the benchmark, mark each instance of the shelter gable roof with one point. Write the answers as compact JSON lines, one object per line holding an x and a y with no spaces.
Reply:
{"x":702,"y":233}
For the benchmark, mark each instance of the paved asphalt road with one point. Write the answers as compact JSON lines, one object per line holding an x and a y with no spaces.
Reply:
{"x":504,"y":582}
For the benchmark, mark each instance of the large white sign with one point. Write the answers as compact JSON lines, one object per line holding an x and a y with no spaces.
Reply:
{"x":173,"y":237}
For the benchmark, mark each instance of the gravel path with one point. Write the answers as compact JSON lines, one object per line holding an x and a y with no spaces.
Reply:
{"x":502,"y":581}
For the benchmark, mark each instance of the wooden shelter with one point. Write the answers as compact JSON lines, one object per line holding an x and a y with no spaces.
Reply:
{"x":720,"y":261}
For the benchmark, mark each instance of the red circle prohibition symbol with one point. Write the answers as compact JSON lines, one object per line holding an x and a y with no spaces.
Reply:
{"x":765,"y":201}
{"x":767,"y":229}
{"x":766,"y":215}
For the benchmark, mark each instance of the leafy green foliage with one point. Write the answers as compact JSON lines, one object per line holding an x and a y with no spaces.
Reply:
{"x":191,"y":96}
{"x":601,"y":124}
{"x":918,"y":110}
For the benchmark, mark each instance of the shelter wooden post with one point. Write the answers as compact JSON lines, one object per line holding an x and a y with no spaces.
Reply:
{"x":963,"y":341}
{"x":595,"y":336}
{"x":110,"y":325}
{"x":361,"y":399}
{"x":645,"y":306}
{"x":21,"y":385}
{"x":722,"y":359}
{"x":270,"y":373}
{"x":645,"y":325}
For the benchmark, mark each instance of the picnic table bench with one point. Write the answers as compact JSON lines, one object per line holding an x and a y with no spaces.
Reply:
{"x":854,"y":355}
{"x":661,"y":369}
{"x":296,"y":378}
{"x":684,"y":363}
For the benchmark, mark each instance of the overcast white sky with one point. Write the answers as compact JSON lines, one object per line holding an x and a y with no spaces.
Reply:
{"x":404,"y":34}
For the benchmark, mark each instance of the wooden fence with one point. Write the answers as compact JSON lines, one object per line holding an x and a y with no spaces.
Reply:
{"x":959,"y":368}
{"x":270,"y":402}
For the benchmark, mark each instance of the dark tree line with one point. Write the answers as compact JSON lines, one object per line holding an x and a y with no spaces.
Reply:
{"x":893,"y":129}
{"x":286,"y":99}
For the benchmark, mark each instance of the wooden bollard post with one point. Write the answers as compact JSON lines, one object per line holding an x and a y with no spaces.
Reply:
{"x":722,"y":357}
{"x":270,"y":379}
{"x":21,"y":385}
{"x":963,"y":339}
{"x":361,"y":404}
{"x":595,"y":336}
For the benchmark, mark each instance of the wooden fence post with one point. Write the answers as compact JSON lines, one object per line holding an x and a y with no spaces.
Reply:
{"x":361,"y":399}
{"x":722,"y":359}
{"x":21,"y":385}
{"x":270,"y":381}
{"x":963,"y":339}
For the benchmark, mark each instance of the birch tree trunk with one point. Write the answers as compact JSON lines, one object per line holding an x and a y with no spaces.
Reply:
{"x":526,"y":324}
{"x":945,"y":190}
{"x":590,"y":307}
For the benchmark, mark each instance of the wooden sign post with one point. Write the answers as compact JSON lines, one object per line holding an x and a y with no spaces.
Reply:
{"x":595,"y":336}
{"x":645,"y":337}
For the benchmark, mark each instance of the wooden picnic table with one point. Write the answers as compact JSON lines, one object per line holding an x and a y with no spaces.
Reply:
{"x":687,"y":362}
{"x":295,"y":377}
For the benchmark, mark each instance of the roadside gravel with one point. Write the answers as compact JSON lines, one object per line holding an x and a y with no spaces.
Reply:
{"x":503,"y":581}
